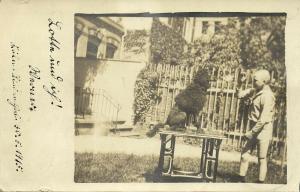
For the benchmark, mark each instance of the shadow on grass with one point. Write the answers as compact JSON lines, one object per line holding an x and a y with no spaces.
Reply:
{"x":152,"y":177}
{"x":123,"y":168}
{"x":275,"y":174}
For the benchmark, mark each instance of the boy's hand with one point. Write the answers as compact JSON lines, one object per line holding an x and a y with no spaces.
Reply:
{"x":249,"y":135}
{"x":244,"y":93}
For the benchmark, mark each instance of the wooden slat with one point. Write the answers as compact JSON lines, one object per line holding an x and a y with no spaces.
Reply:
{"x":173,"y":85}
{"x":225,"y":108}
{"x":230,"y":104}
{"x":209,"y":102}
{"x":98,"y":100}
{"x":215,"y":100}
{"x":243,"y":112}
{"x":191,"y":74}
{"x":185,"y":76}
{"x":279,"y":119}
{"x":158,"y":91}
{"x":167,"y":94}
{"x":237,"y":104}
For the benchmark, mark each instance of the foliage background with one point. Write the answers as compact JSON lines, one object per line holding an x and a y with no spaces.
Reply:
{"x":166,"y":44}
{"x":145,"y":94}
{"x":248,"y":43}
{"x":136,"y":41}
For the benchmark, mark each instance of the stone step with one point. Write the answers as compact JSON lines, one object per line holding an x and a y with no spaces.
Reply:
{"x":119,"y":122}
{"x":130,"y":134}
{"x":84,"y":125}
{"x":121,"y":129}
{"x":90,"y":123}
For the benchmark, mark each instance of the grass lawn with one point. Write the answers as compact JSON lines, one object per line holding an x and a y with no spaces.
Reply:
{"x":123,"y":168}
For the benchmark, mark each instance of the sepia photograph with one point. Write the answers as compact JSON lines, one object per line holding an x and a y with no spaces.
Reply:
{"x":150,"y":95}
{"x":180,"y":97}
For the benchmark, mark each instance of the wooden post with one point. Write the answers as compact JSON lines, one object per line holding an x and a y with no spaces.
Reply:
{"x":173,"y":76}
{"x":208,"y":104}
{"x":158,"y":89}
{"x":221,"y":106}
{"x":225,"y":108}
{"x":236,"y":115}
{"x":97,"y":101}
{"x":167,"y":94}
{"x":232,"y":101}
{"x":191,"y":74}
{"x":215,"y":99}
{"x":161,"y":157}
{"x":242,"y":116}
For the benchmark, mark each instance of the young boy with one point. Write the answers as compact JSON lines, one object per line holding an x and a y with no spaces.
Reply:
{"x":260,"y":120}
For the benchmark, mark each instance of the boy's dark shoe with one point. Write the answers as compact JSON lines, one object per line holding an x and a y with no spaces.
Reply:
{"x":239,"y":179}
{"x":260,"y":182}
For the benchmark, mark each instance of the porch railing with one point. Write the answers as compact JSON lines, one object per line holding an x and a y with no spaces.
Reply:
{"x":97,"y":103}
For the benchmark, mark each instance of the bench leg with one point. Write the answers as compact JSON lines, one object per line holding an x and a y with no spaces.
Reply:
{"x":161,"y":158}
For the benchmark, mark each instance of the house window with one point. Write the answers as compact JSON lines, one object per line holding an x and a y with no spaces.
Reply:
{"x":217,"y":27}
{"x":204,"y":27}
{"x":92,"y":47}
{"x":77,"y":34}
{"x":110,"y":51}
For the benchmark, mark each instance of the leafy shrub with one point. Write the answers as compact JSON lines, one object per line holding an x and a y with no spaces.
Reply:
{"x":145,"y":94}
